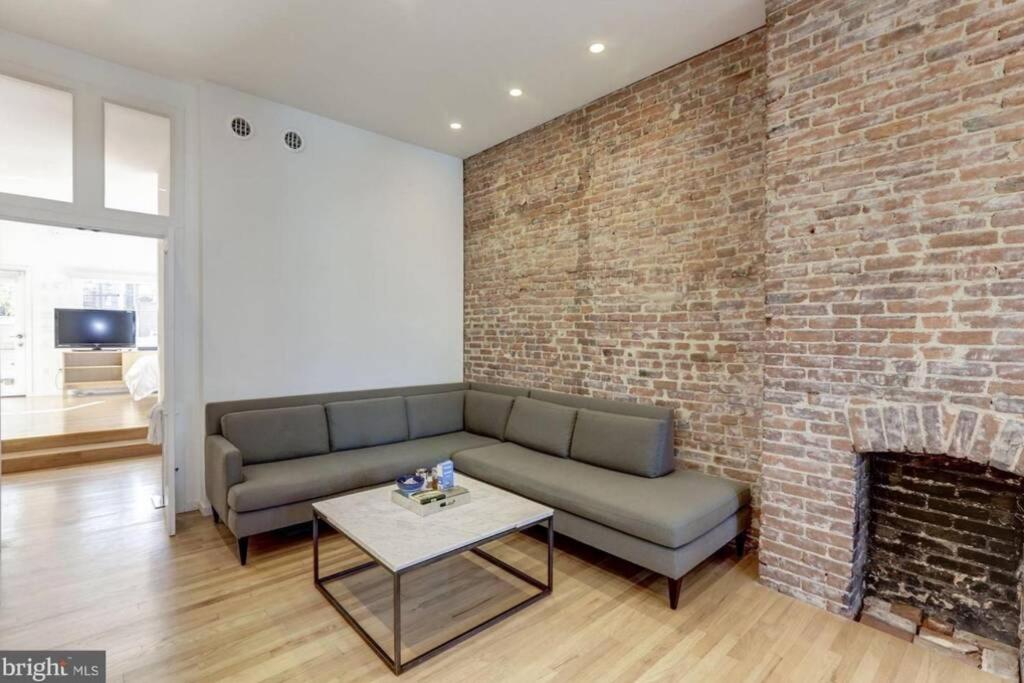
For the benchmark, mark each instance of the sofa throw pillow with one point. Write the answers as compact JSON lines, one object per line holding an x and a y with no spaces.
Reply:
{"x":635,"y":445}
{"x":541,"y":426}
{"x":277,"y":433}
{"x":433,"y":414}
{"x":486,"y":413}
{"x":369,"y":422}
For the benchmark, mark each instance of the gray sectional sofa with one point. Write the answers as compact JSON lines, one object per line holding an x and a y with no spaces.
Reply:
{"x":606,"y":467}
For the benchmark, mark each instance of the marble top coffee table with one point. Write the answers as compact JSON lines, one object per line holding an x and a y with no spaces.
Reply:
{"x":401,"y":541}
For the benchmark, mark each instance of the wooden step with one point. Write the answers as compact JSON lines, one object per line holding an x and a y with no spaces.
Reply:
{"x":62,"y":456}
{"x":35,"y":443}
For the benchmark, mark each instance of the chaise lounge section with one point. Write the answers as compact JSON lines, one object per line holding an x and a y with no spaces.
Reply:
{"x":606,"y":467}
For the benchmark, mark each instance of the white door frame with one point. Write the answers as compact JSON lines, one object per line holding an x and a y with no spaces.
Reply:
{"x":166,"y":355}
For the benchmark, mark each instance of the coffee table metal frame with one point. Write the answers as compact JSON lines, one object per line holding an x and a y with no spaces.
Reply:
{"x":395,"y":663}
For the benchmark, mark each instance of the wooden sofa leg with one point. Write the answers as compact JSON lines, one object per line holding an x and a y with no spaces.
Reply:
{"x":216,"y":517}
{"x":243,"y":550}
{"x":741,"y":544}
{"x":673,"y":591}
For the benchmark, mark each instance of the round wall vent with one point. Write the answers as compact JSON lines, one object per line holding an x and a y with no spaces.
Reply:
{"x":241,"y":127}
{"x":293,"y":141}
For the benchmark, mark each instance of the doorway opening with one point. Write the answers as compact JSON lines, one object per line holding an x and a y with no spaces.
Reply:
{"x":80,"y":366}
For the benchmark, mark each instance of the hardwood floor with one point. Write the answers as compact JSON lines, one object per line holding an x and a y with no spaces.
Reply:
{"x":86,"y":565}
{"x":41,"y":432}
{"x":28,"y":416}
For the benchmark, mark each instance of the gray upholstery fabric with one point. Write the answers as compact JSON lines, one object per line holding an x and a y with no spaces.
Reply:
{"x":277,"y":433}
{"x":287,"y":481}
{"x":637,"y":518}
{"x":244,"y":524}
{"x":215,"y":411}
{"x":369,"y":422}
{"x":542,"y":426}
{"x":487,"y":413}
{"x":672,"y":562}
{"x":280,"y":483}
{"x":618,"y":408}
{"x":671,"y":511}
{"x":223,"y":470}
{"x":499,"y":389}
{"x":621,"y":442}
{"x":603,"y":404}
{"x":434,"y":413}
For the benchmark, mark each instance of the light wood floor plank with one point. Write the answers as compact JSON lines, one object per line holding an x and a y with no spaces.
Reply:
{"x":35,"y":416}
{"x":85,"y":564}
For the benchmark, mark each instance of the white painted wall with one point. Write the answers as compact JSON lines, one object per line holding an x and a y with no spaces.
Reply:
{"x":339,"y":267}
{"x":53,"y":259}
{"x":336,"y":268}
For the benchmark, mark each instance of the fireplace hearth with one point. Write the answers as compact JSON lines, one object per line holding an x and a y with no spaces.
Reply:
{"x":946,"y":535}
{"x":945,"y":541}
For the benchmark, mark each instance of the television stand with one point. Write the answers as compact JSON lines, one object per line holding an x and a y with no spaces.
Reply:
{"x":91,"y":370}
{"x":103,"y":371}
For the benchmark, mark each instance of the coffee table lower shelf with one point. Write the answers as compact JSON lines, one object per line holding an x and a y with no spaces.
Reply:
{"x":395,"y":663}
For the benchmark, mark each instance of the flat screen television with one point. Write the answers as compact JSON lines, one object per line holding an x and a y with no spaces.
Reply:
{"x":93,"y":328}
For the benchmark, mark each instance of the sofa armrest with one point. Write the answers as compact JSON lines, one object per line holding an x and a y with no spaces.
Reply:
{"x":223,"y":470}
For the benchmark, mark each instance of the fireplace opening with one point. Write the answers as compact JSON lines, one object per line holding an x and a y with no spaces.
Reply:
{"x":946,"y":537}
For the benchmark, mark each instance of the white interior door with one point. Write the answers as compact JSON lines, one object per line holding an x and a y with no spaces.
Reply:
{"x":13,"y":333}
{"x":166,"y":305}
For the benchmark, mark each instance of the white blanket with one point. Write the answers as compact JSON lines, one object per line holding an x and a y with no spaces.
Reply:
{"x":143,"y":377}
{"x":155,"y":435}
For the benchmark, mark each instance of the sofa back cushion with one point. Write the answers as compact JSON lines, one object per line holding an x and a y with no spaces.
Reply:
{"x":277,"y":433}
{"x":634,"y":445}
{"x":369,"y":422}
{"x":487,"y":413}
{"x":433,"y":414}
{"x":541,"y":426}
{"x":499,"y":389}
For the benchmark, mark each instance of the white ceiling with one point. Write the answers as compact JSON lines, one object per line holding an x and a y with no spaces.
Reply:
{"x":404,"y":68}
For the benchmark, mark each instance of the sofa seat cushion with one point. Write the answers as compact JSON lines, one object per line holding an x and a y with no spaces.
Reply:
{"x":271,"y":484}
{"x":671,"y":511}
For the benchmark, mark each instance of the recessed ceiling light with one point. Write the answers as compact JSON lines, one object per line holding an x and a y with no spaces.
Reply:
{"x":515,"y":92}
{"x":455,"y":125}
{"x":597,"y":48}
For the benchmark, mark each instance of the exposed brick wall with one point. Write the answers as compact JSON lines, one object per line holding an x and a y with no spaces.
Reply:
{"x":874,"y":199}
{"x":617,"y":252}
{"x":895,"y":263}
